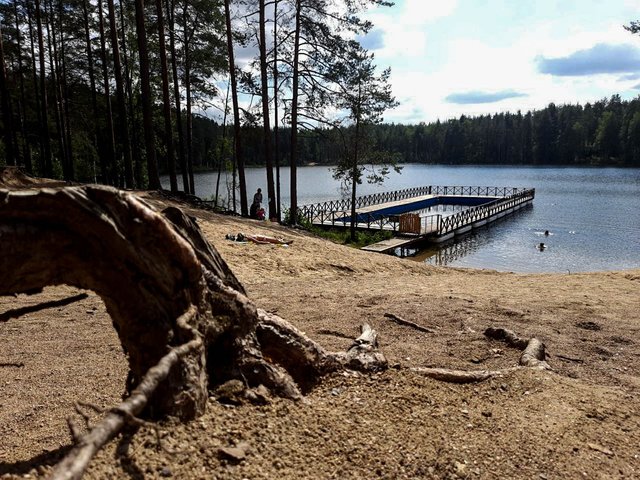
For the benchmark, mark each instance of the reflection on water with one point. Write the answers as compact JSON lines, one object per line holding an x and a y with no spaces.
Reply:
{"x":453,"y":251}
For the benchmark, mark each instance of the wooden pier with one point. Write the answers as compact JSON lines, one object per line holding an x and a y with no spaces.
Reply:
{"x":392,"y":211}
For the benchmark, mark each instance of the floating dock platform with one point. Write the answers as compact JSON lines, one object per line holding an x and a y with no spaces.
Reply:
{"x":395,"y":212}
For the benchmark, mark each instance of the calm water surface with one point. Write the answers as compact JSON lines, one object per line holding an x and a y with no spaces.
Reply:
{"x":592,"y":214}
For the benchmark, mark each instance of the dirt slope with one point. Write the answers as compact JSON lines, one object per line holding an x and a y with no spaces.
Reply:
{"x":580,"y":420}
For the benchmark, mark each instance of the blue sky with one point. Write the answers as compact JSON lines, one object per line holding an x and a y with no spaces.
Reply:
{"x":472,"y":57}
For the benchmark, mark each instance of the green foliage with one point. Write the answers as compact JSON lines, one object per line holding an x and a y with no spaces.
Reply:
{"x":633,"y":27}
{"x":302,"y":221}
{"x":607,"y":135}
{"x":343,"y":237}
{"x":365,"y":96}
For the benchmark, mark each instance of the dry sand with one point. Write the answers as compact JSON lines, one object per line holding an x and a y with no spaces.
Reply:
{"x":580,"y":420}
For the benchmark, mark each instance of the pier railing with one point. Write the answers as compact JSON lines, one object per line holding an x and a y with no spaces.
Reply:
{"x":369,"y":220}
{"x":334,"y":211}
{"x":444,"y":225}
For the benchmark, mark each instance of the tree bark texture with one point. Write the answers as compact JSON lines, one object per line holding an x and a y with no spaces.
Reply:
{"x":166,"y":99}
{"x":293,"y":186}
{"x":108,"y":159}
{"x":7,"y":116}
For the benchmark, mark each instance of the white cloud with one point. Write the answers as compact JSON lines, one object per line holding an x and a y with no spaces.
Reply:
{"x":404,"y":26}
{"x":476,"y":64}
{"x":420,"y":12}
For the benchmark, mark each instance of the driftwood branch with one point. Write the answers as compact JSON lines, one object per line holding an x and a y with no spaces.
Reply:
{"x":407,"y":323}
{"x":12,"y":364}
{"x":461,"y":376}
{"x":569,"y":359}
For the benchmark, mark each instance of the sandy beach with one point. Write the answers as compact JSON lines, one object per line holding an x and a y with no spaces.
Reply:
{"x":579,"y":420}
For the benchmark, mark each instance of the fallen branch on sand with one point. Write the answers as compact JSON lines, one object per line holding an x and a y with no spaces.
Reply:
{"x":569,"y":359}
{"x":407,"y":323}
{"x":18,"y":312}
{"x":74,"y":464}
{"x":460,"y":376}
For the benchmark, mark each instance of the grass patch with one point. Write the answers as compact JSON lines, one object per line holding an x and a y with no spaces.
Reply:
{"x":339,"y":235}
{"x":343,"y":237}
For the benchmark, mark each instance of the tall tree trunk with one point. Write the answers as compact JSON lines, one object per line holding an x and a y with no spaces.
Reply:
{"x":354,"y":183}
{"x":120,"y":100}
{"x":36,"y":89}
{"x":171,"y":9}
{"x":187,"y":86}
{"x":22,"y":107}
{"x":147,"y":114}
{"x":7,"y":114}
{"x":224,"y":144}
{"x":236,"y":117}
{"x":92,"y":81}
{"x":64,"y":91}
{"x":166,"y":99}
{"x":132,"y":117}
{"x":106,"y":166}
{"x":47,"y":163}
{"x":268,"y":151}
{"x":275,"y":107}
{"x":293,"y":212}
{"x":55,"y":84}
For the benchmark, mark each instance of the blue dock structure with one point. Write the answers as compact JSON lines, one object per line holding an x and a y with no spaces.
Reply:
{"x":408,"y":213}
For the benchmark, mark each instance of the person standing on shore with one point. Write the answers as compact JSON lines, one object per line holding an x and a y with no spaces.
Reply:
{"x":255,"y":206}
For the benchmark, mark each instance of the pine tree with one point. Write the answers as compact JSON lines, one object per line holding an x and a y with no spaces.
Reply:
{"x":365,"y":96}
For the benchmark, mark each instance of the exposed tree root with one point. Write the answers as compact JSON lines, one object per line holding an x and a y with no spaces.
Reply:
{"x":507,"y":336}
{"x":183,"y":318}
{"x":533,"y":354}
{"x":407,"y":323}
{"x":307,"y":361}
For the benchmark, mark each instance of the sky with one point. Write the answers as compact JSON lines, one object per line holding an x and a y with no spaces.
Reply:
{"x":473,"y":57}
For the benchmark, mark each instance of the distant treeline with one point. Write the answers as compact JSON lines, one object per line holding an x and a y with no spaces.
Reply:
{"x":606,"y":132}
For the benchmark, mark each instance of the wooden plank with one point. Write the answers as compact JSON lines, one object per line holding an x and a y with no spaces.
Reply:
{"x":390,"y":244}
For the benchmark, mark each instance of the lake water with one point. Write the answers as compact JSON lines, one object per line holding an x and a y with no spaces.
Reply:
{"x":592,"y":214}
